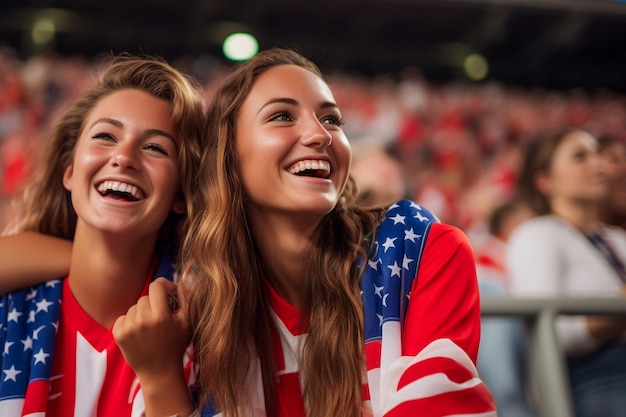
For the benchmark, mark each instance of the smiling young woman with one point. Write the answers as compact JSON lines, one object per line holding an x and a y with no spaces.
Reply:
{"x":115,"y":178}
{"x":318,"y":307}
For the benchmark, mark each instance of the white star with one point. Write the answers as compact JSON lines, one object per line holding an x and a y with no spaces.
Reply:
{"x":398,"y":219}
{"x":14,"y":315}
{"x":36,"y":332}
{"x":406,"y":261}
{"x":420,"y":217}
{"x":32,"y":294}
{"x":385,"y":299}
{"x":11,"y":374}
{"x":7,"y":345}
{"x":28,"y":343}
{"x":410,"y":235}
{"x":52,"y":283}
{"x":393,"y":206}
{"x":389,"y":243}
{"x":31,"y":316}
{"x":43,"y":305}
{"x":395,"y":269}
{"x":380,"y":321}
{"x":377,"y":290}
{"x":373,"y":264}
{"x":415,"y":205}
{"x":40,"y":357}
{"x":56,"y":326}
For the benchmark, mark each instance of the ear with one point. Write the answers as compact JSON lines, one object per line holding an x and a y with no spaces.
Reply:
{"x":67,"y":177}
{"x":179,"y":206}
{"x":543,"y":183}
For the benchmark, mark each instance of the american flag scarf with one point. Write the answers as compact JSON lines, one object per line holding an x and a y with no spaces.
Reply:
{"x":30,"y":318}
{"x":400,"y":385}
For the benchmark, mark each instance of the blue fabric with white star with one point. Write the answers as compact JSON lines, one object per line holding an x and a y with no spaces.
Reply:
{"x":30,"y":319}
{"x":391,"y":270}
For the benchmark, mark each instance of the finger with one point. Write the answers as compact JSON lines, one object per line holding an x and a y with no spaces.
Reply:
{"x":162,"y":294}
{"x":119,"y":328}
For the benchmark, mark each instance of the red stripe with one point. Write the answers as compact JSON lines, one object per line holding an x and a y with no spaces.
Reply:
{"x":36,"y":397}
{"x":431,"y":366}
{"x":372,"y":354}
{"x":476,"y":400}
{"x":290,"y":402}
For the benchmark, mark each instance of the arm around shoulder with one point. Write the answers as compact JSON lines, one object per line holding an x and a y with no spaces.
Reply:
{"x":30,"y":258}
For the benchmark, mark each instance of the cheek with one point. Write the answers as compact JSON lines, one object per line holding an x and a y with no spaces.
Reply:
{"x":343,"y":153}
{"x":170,"y":178}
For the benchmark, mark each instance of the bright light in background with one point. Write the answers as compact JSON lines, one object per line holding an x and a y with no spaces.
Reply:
{"x":240,"y":46}
{"x":43,"y":31}
{"x":476,"y":67}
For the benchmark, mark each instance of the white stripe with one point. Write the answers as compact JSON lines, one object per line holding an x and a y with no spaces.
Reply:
{"x":91,"y":368}
{"x":291,"y":345}
{"x":383,"y":381}
{"x":11,"y":408}
{"x":391,"y":348}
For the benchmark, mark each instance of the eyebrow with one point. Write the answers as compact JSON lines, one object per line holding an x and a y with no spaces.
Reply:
{"x":149,"y":132}
{"x":286,"y":100}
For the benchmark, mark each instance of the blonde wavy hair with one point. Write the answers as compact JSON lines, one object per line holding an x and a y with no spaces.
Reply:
{"x":46,"y":206}
{"x":227,"y":296}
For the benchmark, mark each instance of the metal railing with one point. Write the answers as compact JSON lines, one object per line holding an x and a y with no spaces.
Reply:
{"x":547,"y":365}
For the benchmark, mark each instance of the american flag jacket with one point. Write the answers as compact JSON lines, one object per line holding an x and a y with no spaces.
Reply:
{"x":422,"y":327}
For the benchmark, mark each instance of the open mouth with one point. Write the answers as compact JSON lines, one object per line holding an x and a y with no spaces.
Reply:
{"x":311,"y":168}
{"x":120,"y":191}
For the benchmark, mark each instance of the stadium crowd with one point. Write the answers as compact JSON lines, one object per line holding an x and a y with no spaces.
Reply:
{"x":453,"y":147}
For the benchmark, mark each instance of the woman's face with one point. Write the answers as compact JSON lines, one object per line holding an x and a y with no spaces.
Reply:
{"x":614,"y":158}
{"x":294,"y":156}
{"x":576,"y":172}
{"x":124,"y":177}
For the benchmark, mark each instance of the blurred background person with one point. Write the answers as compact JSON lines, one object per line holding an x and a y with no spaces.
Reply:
{"x":379,"y":176}
{"x":502,"y":356}
{"x":613,"y":208}
{"x":568,"y":251}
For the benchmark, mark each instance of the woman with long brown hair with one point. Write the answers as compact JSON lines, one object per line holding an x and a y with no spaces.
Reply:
{"x":115,"y":178}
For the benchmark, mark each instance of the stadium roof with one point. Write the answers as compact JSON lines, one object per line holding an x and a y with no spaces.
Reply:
{"x":549,"y":43}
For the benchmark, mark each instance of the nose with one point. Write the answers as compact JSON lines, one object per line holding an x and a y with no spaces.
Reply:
{"x":125,"y":156}
{"x":316,"y":134}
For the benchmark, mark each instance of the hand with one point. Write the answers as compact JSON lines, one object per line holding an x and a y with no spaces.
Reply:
{"x":152,"y":338}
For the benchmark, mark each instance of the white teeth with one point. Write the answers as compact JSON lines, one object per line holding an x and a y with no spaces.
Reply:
{"x":120,"y":187}
{"x":317,"y":165}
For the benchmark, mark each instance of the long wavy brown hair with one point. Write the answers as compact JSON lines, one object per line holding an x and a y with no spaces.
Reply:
{"x":46,"y":206}
{"x":228,"y":303}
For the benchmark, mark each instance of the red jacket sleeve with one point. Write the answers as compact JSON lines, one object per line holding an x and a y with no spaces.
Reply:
{"x":444,"y":299}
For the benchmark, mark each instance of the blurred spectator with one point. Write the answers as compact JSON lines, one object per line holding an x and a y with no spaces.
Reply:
{"x":613,"y":208}
{"x":378,"y":176}
{"x":501,"y":357}
{"x":568,"y":251}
